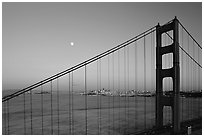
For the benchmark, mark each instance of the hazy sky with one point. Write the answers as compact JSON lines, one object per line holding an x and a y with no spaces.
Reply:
{"x":37,"y":36}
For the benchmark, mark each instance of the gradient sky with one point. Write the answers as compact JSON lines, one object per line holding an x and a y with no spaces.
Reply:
{"x":37,"y":36}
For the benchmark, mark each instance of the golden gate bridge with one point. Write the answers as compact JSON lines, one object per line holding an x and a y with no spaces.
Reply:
{"x":149,"y":84}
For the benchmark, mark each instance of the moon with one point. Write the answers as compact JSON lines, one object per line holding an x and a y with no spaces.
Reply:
{"x":72,"y":43}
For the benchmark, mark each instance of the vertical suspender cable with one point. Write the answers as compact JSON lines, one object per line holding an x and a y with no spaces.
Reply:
{"x":154,"y":68}
{"x":86,"y":99}
{"x":152,"y":71}
{"x":151,"y":89}
{"x":24,"y":114}
{"x":98,"y":114}
{"x":135,"y":84}
{"x":200,"y":85}
{"x":196,"y":85}
{"x":119,"y":86}
{"x":154,"y":57}
{"x":51,"y":109}
{"x":188,"y":87}
{"x":70,"y":130}
{"x":113,"y":89}
{"x":69,"y":104}
{"x":58,"y":106}
{"x":100,"y":92}
{"x":42,"y":108}
{"x":109,"y":95}
{"x":31,"y":113}
{"x":190,"y":82}
{"x":72,"y":103}
{"x":5,"y":119}
{"x":97,"y":96}
{"x":8,"y":124}
{"x":182,"y":73}
{"x":125,"y":86}
{"x":128,"y":84}
{"x":144,"y":83}
{"x":192,"y":88}
{"x":186,"y":81}
{"x":198,"y":82}
{"x":193,"y":78}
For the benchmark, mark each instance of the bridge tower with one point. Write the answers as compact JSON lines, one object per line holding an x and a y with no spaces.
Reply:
{"x":173,"y":72}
